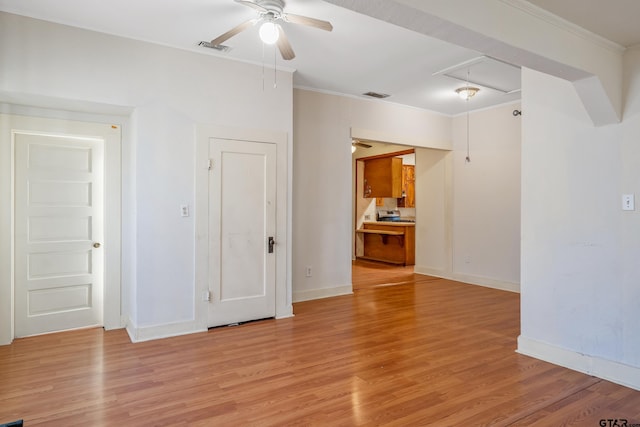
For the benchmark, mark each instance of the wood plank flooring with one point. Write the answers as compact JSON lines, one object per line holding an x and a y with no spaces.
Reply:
{"x":404,"y":350}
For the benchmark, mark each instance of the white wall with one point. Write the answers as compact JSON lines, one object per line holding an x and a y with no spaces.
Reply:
{"x":433,"y":212}
{"x":321,"y":195}
{"x":490,"y":192}
{"x":170,"y":91}
{"x":580,"y":251}
{"x":468,"y":213}
{"x":629,"y":223}
{"x":322,"y":173}
{"x":486,"y":196}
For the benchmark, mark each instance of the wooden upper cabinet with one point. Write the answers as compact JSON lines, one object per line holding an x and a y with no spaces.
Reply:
{"x":383,"y":177}
{"x":408,"y":200}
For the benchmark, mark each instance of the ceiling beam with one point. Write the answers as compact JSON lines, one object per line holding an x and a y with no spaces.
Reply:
{"x":519,"y":33}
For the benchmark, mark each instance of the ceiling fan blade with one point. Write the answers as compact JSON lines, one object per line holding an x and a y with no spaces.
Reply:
{"x":362,"y":144}
{"x":283,"y":44}
{"x":305,"y":20}
{"x":232,"y":32}
{"x":253,"y":5}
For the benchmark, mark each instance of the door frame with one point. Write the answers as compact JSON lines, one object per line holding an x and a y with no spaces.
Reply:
{"x":112,"y":135}
{"x":204,"y":132}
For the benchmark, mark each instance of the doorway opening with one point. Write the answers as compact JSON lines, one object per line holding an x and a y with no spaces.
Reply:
{"x":60,"y":226}
{"x":242,"y":218}
{"x":384,"y":213}
{"x":241,"y":260}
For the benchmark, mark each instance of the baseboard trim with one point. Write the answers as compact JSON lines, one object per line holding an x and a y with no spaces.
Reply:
{"x":148,"y":333}
{"x":288,"y":312}
{"x":322,"y":293}
{"x":470,"y":279}
{"x":625,"y":375}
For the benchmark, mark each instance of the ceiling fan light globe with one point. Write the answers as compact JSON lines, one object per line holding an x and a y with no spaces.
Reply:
{"x":269,"y":33}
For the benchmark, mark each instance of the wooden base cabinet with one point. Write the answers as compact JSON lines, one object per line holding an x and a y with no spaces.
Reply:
{"x":392,"y":243}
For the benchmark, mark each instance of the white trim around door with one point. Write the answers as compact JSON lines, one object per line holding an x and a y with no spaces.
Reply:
{"x":204,"y":134}
{"x":110,"y":134}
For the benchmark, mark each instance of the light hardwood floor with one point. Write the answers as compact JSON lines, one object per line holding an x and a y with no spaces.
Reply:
{"x":404,"y":350}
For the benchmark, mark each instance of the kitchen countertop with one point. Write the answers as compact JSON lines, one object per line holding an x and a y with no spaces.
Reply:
{"x":393,"y":223}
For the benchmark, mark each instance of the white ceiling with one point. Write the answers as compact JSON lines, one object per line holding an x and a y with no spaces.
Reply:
{"x":361,"y":54}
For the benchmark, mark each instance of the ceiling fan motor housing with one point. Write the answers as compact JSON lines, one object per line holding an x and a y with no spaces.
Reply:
{"x":275,"y":7}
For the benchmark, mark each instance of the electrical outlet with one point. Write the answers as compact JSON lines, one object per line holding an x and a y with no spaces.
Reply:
{"x":184,"y":210}
{"x":467,"y":259}
{"x":307,"y":271}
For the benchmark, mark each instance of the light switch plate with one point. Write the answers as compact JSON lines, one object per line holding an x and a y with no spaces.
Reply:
{"x":628,"y":203}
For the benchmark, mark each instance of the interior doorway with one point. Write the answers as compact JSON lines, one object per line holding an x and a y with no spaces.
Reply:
{"x":384,"y":227}
{"x":59,"y":232}
{"x":242,"y":224}
{"x":242,"y":184}
{"x":60,"y":225}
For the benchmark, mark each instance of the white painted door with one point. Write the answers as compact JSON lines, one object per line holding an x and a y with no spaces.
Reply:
{"x":58,"y":232}
{"x":242,"y":218}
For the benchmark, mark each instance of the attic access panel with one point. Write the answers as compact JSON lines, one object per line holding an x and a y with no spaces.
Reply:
{"x":486,"y":72}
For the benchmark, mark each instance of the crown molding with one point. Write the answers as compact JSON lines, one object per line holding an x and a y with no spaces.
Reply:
{"x":563,"y":24}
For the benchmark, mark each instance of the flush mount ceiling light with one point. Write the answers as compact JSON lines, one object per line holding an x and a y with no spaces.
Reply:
{"x":467,"y":92}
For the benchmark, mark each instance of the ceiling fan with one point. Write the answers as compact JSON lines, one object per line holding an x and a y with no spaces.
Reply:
{"x":358,"y":143}
{"x":271,"y":11}
{"x":355,"y":144}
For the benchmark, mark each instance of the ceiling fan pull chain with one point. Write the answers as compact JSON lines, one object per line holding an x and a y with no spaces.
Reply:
{"x":275,"y":69}
{"x":468,"y":158}
{"x":263,"y":67}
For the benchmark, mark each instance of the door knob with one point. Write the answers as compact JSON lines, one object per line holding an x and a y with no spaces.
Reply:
{"x":96,"y":245}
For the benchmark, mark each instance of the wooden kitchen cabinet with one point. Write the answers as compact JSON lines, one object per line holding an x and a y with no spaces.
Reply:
{"x":408,"y":200}
{"x":392,"y":243}
{"x":383,"y":177}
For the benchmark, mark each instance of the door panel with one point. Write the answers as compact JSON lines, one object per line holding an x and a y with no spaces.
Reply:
{"x":58,"y":263}
{"x":58,"y":217}
{"x":49,"y":301}
{"x":242,"y":192}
